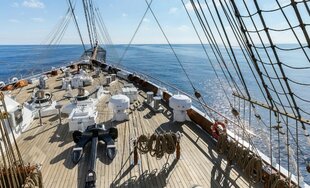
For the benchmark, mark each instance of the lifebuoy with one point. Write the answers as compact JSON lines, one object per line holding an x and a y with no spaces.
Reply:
{"x":215,"y":131}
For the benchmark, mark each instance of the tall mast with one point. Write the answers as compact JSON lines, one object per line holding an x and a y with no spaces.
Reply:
{"x":87,"y":4}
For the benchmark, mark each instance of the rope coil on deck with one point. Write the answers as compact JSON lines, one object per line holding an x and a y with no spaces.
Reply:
{"x":142,"y":144}
{"x":158,"y":144}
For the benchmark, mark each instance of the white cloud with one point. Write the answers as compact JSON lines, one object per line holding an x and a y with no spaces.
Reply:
{"x":15,"y":4}
{"x":33,"y":4}
{"x":183,"y":28}
{"x":146,"y":20}
{"x":189,"y":6}
{"x":173,"y":10}
{"x":124,"y":15}
{"x":13,"y":20}
{"x":38,"y":20}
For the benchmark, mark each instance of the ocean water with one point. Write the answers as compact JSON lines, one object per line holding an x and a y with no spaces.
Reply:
{"x":158,"y":62}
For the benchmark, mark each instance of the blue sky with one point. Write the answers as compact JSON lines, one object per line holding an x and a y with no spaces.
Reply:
{"x":30,"y":21}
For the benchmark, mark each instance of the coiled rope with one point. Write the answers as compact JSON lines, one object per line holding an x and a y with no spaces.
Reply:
{"x":254,"y":169}
{"x":222,"y":143}
{"x":34,"y":180}
{"x":275,"y":181}
{"x":251,"y":164}
{"x":142,"y":144}
{"x":158,"y":144}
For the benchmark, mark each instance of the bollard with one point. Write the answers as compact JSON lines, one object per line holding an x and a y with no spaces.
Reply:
{"x":59,"y":106}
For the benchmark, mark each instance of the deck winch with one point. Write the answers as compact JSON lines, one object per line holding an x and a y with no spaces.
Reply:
{"x":41,"y":104}
{"x":67,"y":73}
{"x":119,"y":104}
{"x":131,"y":92}
{"x":93,"y":134}
{"x":82,"y":115}
{"x":179,"y":104}
{"x":42,"y":82}
{"x":66,"y":83}
{"x":81,"y":80}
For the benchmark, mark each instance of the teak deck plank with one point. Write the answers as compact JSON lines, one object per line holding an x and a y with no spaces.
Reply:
{"x":51,"y":145}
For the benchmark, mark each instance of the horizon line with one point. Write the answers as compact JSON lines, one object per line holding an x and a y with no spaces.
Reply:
{"x":21,"y":44}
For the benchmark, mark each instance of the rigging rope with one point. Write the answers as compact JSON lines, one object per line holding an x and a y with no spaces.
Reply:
{"x":172,"y":49}
{"x":212,"y":41}
{"x":205,"y":51}
{"x":76,"y":24}
{"x":86,"y":13}
{"x":278,"y":60}
{"x":134,"y":34}
{"x":273,"y":47}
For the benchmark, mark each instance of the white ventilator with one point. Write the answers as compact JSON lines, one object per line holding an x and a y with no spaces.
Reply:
{"x":119,"y":104}
{"x":179,"y":104}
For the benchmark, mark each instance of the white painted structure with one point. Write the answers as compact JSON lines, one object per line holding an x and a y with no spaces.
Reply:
{"x":83,"y":115}
{"x":119,"y":104}
{"x":80,"y":80}
{"x":179,"y":104}
{"x":131,"y":92}
{"x":20,"y":117}
{"x":66,"y":83}
{"x":95,"y":98}
{"x":47,"y":107}
{"x":42,"y":82}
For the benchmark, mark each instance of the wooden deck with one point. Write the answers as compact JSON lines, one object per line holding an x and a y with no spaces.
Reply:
{"x":51,"y":145}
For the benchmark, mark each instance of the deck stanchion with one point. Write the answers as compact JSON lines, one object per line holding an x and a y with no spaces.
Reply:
{"x":178,"y":150}
{"x":135,"y":154}
{"x":59,"y":106}
{"x":40,"y":117}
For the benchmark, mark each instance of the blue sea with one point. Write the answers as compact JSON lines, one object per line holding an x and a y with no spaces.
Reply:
{"x":158,"y":62}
